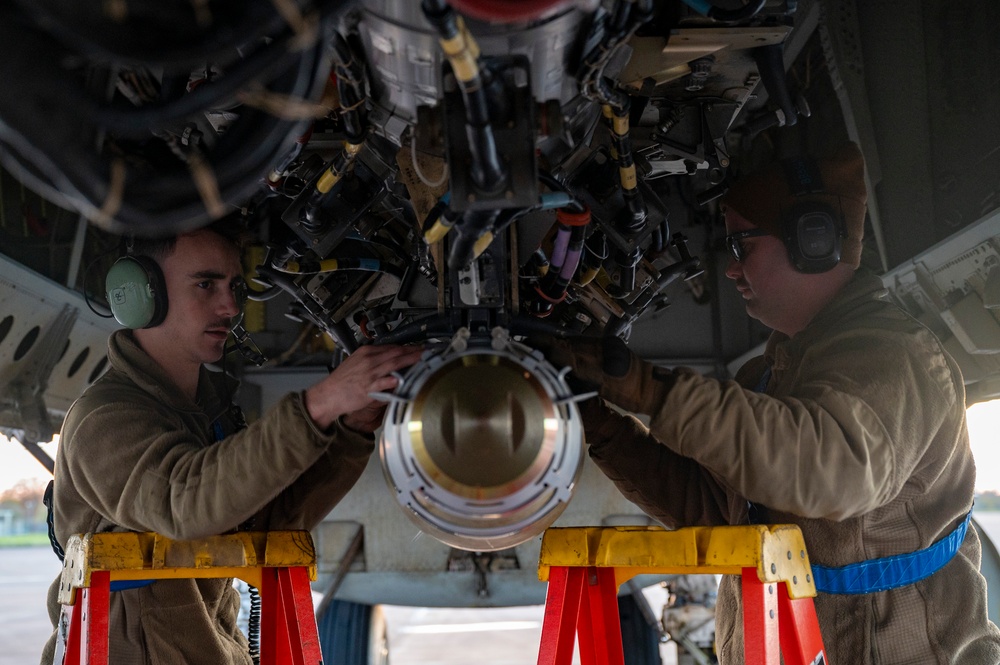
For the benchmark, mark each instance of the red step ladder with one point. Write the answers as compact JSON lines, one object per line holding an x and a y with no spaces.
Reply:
{"x":279,"y":563}
{"x":585,"y":567}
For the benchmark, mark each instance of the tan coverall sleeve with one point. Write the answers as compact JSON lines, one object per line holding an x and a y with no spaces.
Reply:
{"x":314,"y":494}
{"x":863,"y":414}
{"x":155,"y":475}
{"x":671,"y":489}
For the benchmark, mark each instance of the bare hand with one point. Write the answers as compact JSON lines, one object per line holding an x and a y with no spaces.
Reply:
{"x":367,"y":419}
{"x":346,"y":390}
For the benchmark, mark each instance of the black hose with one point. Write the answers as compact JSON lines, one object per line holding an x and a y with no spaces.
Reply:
{"x":253,"y":624}
{"x":617,"y":28}
{"x":771,"y":64}
{"x":291,"y":155}
{"x":343,"y":336}
{"x":527,"y":326}
{"x":486,"y":169}
{"x":439,"y":14}
{"x":618,"y":23}
{"x":472,"y":227}
{"x":57,"y":147}
{"x":421,"y":329}
{"x":161,"y":35}
{"x":341,"y":333}
{"x":350,"y":87}
{"x":748,"y":10}
{"x":508,"y":217}
{"x":550,"y":181}
{"x":140,"y":121}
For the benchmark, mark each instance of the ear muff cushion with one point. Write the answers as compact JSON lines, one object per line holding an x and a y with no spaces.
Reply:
{"x":765,"y":196}
{"x":812,"y":234}
{"x":136,"y":292}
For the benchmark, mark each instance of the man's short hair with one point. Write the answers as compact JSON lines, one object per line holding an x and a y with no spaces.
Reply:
{"x":232,"y":227}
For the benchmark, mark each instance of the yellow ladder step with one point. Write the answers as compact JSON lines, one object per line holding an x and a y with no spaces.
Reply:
{"x":279,"y":563}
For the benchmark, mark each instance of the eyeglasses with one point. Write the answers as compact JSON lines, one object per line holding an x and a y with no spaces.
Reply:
{"x":734,"y":242}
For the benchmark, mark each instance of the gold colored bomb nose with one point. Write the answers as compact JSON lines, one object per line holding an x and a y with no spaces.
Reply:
{"x":479,"y":426}
{"x":482,"y":443}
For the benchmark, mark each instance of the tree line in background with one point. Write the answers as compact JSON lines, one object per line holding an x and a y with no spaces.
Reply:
{"x":23,"y":507}
{"x":988,"y":501}
{"x":23,"y":502}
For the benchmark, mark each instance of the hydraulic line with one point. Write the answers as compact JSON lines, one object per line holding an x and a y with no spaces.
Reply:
{"x":339,"y":331}
{"x":537,"y":264}
{"x":594,"y":61}
{"x":507,"y":217}
{"x":706,"y":8}
{"x":628,"y":16}
{"x":334,"y":265}
{"x":277,"y":174}
{"x":770,"y":63}
{"x":550,"y":200}
{"x":163,"y":35}
{"x":440,"y":220}
{"x":462,"y":52}
{"x":422,"y":329}
{"x":139,"y":121}
{"x":350,"y":86}
{"x":595,"y":253}
{"x":571,"y":230}
{"x":616,"y":112}
{"x":595,"y":248}
{"x":474,"y":226}
{"x":56,"y":151}
{"x":615,"y":105}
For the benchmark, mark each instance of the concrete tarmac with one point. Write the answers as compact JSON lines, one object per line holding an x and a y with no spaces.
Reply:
{"x":25,"y":576}
{"x":417,"y":636}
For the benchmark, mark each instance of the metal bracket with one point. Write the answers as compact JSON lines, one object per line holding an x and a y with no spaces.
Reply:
{"x":25,"y":390}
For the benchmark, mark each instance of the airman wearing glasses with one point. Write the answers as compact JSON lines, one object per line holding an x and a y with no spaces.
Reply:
{"x":850,"y":425}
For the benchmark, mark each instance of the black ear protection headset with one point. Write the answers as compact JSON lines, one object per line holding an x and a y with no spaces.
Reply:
{"x":136,"y":292}
{"x":811,"y":230}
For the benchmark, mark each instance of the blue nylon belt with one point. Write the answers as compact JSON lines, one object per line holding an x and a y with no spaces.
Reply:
{"x":891,"y":572}
{"x":888,"y":572}
{"x":123,"y":585}
{"x":762,"y":383}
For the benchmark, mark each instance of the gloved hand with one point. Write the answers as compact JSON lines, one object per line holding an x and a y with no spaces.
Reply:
{"x":607,"y":365}
{"x":600,"y":421}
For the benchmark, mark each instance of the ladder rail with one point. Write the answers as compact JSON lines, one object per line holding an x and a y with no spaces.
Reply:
{"x":586,"y":566}
{"x":280,"y":564}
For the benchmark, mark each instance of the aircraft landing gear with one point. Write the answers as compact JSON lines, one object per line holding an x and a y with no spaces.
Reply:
{"x":353,"y":634}
{"x":640,"y":639}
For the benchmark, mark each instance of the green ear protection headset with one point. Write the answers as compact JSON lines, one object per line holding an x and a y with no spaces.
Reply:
{"x":136,"y":292}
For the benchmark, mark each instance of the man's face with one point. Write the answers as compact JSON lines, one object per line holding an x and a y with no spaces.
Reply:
{"x":201,"y":275}
{"x":765,"y":278}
